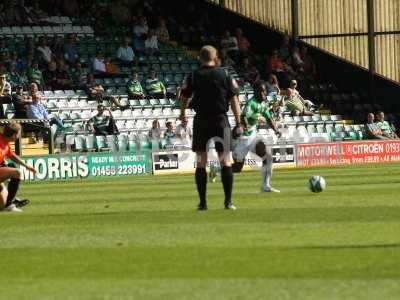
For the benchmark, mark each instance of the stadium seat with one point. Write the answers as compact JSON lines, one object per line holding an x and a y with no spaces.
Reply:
{"x":130,"y":125}
{"x":90,"y":142}
{"x":101,"y":143}
{"x":120,"y":125}
{"x":127,"y":113}
{"x":123,"y":142}
{"x":80,"y":143}
{"x":112,"y":143}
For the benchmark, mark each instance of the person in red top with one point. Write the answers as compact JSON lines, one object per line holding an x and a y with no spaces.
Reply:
{"x":8,"y":134}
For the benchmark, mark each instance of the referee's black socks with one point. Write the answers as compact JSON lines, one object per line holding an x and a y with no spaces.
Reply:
{"x":12,"y":190}
{"x":201,"y":182}
{"x":227,"y":182}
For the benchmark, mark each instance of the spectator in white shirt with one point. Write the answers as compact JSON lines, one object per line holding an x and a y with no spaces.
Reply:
{"x":151,"y":43}
{"x":99,"y":65}
{"x":184,"y":132}
{"x":45,"y":51}
{"x":140,"y":31}
{"x":125,"y":54}
{"x":155,"y":131}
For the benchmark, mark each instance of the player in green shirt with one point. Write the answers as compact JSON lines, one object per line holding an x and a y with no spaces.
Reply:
{"x":255,"y":111}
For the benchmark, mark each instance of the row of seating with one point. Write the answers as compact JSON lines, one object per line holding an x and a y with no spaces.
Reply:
{"x":122,"y":142}
{"x":21,"y":31}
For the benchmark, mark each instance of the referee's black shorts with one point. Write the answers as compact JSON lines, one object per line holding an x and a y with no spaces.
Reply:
{"x":205,"y":128}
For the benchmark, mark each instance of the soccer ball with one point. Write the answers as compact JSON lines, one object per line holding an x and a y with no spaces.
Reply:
{"x":316,"y":184}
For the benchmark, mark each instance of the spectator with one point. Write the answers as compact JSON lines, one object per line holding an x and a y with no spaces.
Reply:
{"x":184,"y":132}
{"x":151,"y":44}
{"x":134,"y":87}
{"x":99,"y":66}
{"x":293,"y":87}
{"x":5,"y":94}
{"x":20,"y":102}
{"x":63,"y":78}
{"x":243,"y":43}
{"x":247,"y":71}
{"x":384,"y":126}
{"x":372,"y":130}
{"x":296,"y":104}
{"x":93,"y":89}
{"x":79,"y":76}
{"x":170,"y":132}
{"x":36,"y":110}
{"x":34,"y":74}
{"x":50,"y":76}
{"x":272,"y":86}
{"x":226,"y":61}
{"x":14,"y":77}
{"x":70,"y":53}
{"x":103,"y":124}
{"x":111,"y":69}
{"x":230,"y":43}
{"x":96,"y":92}
{"x":162,"y":32}
{"x":57,"y":47}
{"x":140,"y":31}
{"x":125,"y":54}
{"x":154,"y":87}
{"x":46,"y":55}
{"x":155,"y":131}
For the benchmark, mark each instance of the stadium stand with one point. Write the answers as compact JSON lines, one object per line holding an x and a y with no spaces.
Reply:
{"x":172,"y":62}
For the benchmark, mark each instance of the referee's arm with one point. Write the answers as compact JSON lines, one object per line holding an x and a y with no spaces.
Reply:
{"x":234,"y":101}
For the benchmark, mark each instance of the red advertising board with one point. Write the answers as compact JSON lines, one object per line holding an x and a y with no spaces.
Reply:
{"x":347,"y":153}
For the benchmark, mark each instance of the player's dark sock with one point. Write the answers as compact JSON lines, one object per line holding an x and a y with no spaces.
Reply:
{"x":227,"y":182}
{"x":201,"y":182}
{"x":12,"y":190}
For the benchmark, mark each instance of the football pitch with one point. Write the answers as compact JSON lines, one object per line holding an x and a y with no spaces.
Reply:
{"x":141,"y":238}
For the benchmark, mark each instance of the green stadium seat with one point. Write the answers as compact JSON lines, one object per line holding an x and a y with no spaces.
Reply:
{"x":165,"y":68}
{"x":123,"y":143}
{"x":90,"y":142}
{"x":112,"y":143}
{"x":311,"y":129}
{"x":80,"y":143}
{"x":351,"y":135}
{"x":101,"y":143}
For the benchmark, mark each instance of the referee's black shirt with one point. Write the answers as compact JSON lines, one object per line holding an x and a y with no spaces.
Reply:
{"x":212,"y":88}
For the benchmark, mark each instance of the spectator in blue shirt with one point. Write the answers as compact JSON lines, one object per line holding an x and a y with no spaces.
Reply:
{"x":125,"y":53}
{"x":36,"y":110}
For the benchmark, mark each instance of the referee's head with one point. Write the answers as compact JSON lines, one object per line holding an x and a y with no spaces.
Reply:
{"x":208,"y":56}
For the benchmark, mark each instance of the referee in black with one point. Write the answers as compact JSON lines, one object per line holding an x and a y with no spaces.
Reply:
{"x":212,"y":90}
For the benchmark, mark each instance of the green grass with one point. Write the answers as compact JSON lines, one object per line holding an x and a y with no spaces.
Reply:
{"x":141,"y":238}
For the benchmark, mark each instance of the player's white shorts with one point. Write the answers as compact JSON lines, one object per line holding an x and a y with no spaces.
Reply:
{"x":245,"y":144}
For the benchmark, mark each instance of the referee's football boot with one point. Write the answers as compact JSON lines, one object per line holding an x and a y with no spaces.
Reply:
{"x":202,"y":207}
{"x":230,"y":206}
